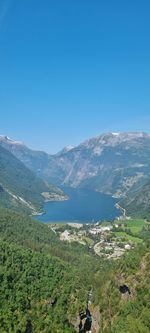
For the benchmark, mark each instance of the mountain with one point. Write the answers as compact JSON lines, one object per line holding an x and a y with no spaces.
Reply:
{"x":34,"y":160}
{"x":20,"y":188}
{"x":113,"y":163}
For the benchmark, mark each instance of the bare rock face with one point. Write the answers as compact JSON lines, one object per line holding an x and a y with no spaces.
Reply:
{"x":96,"y":320}
{"x":95,"y":312}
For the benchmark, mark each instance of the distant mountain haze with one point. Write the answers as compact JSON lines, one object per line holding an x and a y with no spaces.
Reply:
{"x":113,"y":163}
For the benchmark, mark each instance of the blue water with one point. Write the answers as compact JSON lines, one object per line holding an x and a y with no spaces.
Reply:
{"x":83,"y":206}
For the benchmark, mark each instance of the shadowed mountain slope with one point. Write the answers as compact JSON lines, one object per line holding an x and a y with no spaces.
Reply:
{"x":20,"y":188}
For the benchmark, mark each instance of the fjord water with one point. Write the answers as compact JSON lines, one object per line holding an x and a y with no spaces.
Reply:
{"x":83,"y":206}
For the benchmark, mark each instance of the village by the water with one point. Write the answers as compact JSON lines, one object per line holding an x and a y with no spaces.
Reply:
{"x":109,"y":240}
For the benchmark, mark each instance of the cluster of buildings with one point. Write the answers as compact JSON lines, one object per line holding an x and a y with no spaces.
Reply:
{"x":105,"y":243}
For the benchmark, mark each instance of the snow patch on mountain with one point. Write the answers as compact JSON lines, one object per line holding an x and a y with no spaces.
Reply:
{"x":7,"y":139}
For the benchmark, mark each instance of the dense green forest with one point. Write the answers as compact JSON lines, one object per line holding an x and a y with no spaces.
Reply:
{"x":44,"y":282}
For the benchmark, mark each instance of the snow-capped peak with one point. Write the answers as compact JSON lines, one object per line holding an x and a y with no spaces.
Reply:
{"x":115,"y":133}
{"x":9,"y":140}
{"x":67,"y":148}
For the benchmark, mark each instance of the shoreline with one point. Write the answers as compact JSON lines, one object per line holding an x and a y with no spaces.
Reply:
{"x":50,"y":198}
{"x":64,"y":198}
{"x":124,"y":216}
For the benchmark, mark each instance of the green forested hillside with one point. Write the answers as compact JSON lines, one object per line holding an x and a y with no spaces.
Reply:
{"x":30,"y":281}
{"x":20,"y":188}
{"x":137,"y":203}
{"x":44,"y":282}
{"x":36,"y":268}
{"x":127,"y":313}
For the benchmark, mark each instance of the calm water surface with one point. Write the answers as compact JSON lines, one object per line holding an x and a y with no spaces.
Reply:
{"x":83,"y":206}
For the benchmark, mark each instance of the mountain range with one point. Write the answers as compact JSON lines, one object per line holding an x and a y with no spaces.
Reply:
{"x":113,"y":163}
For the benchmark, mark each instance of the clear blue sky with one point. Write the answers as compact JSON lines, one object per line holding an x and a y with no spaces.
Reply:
{"x":71,"y":69}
